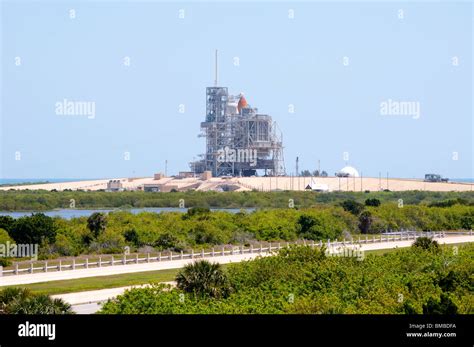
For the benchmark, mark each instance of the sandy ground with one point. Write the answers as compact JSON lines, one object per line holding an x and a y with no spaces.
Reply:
{"x":349,"y":184}
{"x":262,"y":184}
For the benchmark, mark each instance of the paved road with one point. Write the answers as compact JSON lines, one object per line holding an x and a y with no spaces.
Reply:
{"x":176,"y":264}
{"x":89,"y":302}
{"x":400,"y":244}
{"x":115,"y":270}
{"x":87,"y":308}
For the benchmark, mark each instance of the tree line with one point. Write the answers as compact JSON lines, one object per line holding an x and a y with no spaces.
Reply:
{"x":199,"y":227}
{"x":41,"y":200}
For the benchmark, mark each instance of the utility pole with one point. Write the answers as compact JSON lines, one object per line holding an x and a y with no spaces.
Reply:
{"x":166,"y":168}
{"x":297,"y":160}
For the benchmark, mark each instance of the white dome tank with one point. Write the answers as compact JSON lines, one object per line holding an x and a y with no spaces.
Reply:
{"x":349,"y":170}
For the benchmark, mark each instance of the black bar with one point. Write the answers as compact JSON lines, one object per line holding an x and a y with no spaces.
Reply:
{"x":317,"y":330}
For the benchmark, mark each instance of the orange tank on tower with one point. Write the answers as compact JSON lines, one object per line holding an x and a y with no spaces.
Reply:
{"x":242,"y":103}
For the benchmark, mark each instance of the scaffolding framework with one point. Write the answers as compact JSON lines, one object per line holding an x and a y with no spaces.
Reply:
{"x":253,"y":140}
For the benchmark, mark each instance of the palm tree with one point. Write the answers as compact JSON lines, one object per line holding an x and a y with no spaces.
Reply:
{"x":204,"y":279}
{"x":11,"y":296}
{"x":22,"y":301}
{"x":41,"y":304}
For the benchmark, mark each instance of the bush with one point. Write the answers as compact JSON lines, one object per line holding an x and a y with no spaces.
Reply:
{"x":318,"y":227}
{"x":35,"y":229}
{"x":5,"y":262}
{"x":4,"y":237}
{"x":132,"y":237}
{"x":372,"y":202}
{"x":96,"y":223}
{"x":467,"y":222}
{"x":365,"y":222}
{"x":352,"y":206}
{"x":171,"y":242}
{"x":427,"y":244}
{"x":108,"y":242}
{"x":6,"y":223}
{"x":197,"y":211}
{"x":444,"y":305}
{"x":206,"y":233}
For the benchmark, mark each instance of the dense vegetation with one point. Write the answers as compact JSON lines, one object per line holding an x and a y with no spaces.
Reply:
{"x":22,"y":301}
{"x":40,"y":200}
{"x":201,"y":228}
{"x":423,"y":279}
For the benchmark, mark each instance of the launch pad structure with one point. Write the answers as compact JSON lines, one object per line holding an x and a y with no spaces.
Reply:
{"x":239,"y":140}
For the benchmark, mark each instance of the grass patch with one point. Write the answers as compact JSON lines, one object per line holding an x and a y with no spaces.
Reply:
{"x":102,"y":282}
{"x":391,"y":250}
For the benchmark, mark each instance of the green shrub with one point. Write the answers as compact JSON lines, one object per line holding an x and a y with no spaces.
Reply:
{"x":5,"y":262}
{"x":352,"y":206}
{"x":96,"y":223}
{"x":35,"y":229}
{"x":372,"y":202}
{"x":426,"y":244}
{"x":443,"y":305}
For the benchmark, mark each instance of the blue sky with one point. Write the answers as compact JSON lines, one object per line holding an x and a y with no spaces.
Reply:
{"x":283,"y":61}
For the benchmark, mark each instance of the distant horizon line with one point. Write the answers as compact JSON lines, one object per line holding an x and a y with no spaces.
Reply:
{"x":71,"y":179}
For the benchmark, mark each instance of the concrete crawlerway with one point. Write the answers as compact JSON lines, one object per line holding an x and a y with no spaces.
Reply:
{"x":116,"y":270}
{"x":89,"y":302}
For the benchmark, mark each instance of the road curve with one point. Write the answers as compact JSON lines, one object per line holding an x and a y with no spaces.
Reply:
{"x":89,"y":302}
